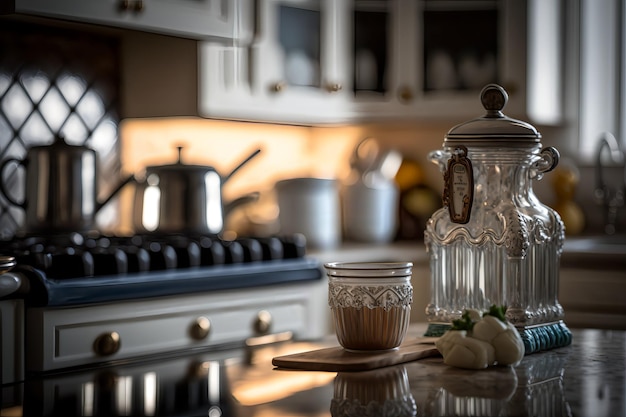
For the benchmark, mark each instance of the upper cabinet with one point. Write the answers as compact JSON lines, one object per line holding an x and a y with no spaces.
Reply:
{"x":292,"y":70}
{"x":325,"y":61}
{"x":196,"y":19}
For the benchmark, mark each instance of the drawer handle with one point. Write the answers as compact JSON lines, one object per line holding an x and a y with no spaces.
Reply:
{"x":107,"y":344}
{"x":200,"y":328}
{"x":262,"y":323}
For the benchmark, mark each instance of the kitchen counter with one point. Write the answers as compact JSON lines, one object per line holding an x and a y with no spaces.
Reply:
{"x":587,"y":378}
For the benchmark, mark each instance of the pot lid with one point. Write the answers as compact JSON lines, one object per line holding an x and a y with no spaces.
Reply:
{"x":180,"y":166}
{"x":494,"y":127}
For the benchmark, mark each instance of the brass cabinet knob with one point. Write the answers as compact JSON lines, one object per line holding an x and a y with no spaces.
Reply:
{"x":263,"y":322}
{"x":278,"y":87}
{"x":405,"y":94}
{"x":138,"y":5}
{"x":124,"y":5}
{"x":200,"y":328}
{"x":334,"y":87}
{"x":107,"y":344}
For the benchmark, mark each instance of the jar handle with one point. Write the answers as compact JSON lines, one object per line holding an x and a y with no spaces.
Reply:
{"x":440,"y":158}
{"x":548,"y":160}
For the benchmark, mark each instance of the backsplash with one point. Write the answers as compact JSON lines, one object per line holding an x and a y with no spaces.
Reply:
{"x":53,"y":82}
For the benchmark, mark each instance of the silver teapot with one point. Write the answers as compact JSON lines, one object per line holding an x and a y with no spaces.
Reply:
{"x":60,"y":190}
{"x":185,"y":198}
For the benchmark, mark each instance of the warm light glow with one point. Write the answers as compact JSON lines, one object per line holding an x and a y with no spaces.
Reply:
{"x":286,"y":152}
{"x":280,"y":385}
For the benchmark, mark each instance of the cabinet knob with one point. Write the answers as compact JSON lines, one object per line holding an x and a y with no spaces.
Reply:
{"x":334,"y":87}
{"x":200,"y":328}
{"x":263,"y":322}
{"x":278,"y":87}
{"x":107,"y":344}
{"x":124,"y":5}
{"x":138,"y":5}
{"x":405,"y":94}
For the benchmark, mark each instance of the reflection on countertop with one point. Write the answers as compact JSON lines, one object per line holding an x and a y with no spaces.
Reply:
{"x":587,"y":378}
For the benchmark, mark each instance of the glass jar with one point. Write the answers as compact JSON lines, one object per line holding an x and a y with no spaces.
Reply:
{"x":493,"y":241}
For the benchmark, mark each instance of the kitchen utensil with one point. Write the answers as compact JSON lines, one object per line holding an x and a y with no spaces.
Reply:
{"x":371,"y":303}
{"x":337,"y":359}
{"x":310,"y":206}
{"x":60,"y":190}
{"x":493,"y":242}
{"x":181,"y":198}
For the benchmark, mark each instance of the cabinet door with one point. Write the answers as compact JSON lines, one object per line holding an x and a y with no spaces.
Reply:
{"x":293,"y":70}
{"x":463,"y":46}
{"x":196,"y":19}
{"x":384,"y":58}
{"x":439,"y":56}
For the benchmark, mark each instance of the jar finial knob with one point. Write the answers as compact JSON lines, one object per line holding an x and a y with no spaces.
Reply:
{"x":494,"y":98}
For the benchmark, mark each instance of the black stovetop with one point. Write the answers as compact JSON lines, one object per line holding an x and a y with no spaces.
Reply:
{"x":77,"y":269}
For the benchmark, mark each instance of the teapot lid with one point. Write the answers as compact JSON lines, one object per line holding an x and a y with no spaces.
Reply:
{"x":494,"y":127}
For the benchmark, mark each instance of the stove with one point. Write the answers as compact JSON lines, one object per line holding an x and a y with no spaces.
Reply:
{"x":92,"y":299}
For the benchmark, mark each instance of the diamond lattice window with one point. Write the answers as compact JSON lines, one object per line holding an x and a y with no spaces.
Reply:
{"x":56,"y":82}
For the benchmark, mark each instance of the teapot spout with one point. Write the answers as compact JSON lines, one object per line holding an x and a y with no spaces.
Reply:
{"x":122,"y":184}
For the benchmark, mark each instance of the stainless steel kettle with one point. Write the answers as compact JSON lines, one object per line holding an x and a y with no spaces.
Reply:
{"x":184,"y":198}
{"x":60,"y":188}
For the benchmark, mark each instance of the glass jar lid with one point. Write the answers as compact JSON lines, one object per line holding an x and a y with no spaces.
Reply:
{"x":494,"y":128}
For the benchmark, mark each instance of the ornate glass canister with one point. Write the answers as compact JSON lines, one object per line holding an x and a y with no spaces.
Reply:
{"x":493,"y":241}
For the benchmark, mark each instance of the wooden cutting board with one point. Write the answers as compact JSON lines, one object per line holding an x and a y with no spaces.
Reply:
{"x":337,"y":359}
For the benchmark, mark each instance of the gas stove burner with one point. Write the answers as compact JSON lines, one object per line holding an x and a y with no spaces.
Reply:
{"x":76,"y":255}
{"x":77,"y":268}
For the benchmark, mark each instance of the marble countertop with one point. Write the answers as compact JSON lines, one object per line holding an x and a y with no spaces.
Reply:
{"x":587,"y":378}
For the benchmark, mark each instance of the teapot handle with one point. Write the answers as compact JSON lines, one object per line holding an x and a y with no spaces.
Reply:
{"x":3,"y":190}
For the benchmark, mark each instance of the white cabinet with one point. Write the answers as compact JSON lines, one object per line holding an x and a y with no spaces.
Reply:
{"x":293,"y":69}
{"x":321,"y":61}
{"x":198,"y":19}
{"x":90,"y":334}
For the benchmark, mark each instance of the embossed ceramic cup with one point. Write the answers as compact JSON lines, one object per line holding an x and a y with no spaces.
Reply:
{"x":370,"y":302}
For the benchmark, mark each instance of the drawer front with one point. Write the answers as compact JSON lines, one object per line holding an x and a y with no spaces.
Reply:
{"x":92,"y":334}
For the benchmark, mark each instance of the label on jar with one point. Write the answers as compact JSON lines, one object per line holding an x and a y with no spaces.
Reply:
{"x":458,"y":193}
